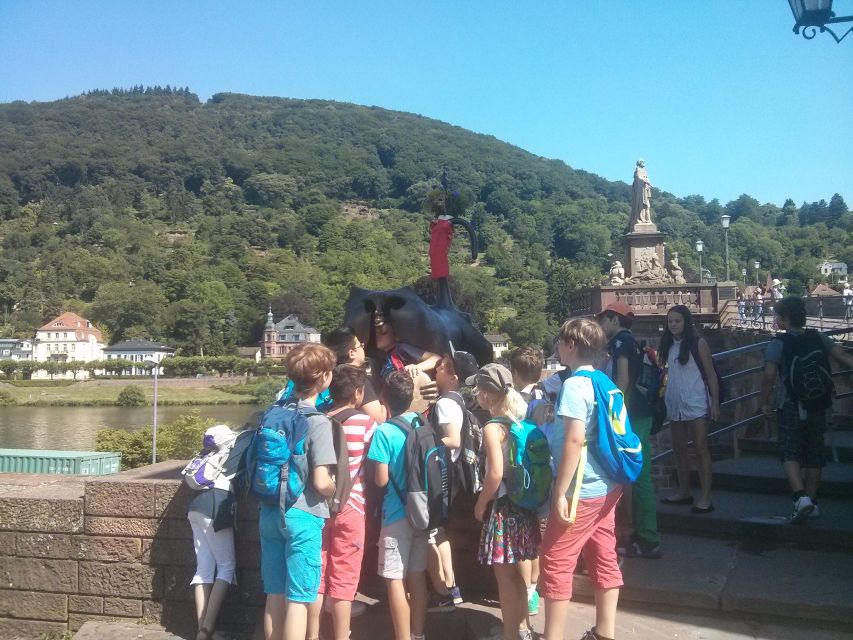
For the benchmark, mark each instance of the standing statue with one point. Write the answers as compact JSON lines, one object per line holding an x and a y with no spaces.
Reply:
{"x":641,"y":203}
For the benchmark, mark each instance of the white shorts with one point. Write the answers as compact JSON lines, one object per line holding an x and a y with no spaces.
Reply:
{"x":214,"y":550}
{"x":402,"y":550}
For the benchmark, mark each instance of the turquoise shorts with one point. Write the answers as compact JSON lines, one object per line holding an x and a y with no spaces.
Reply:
{"x":290,"y":555}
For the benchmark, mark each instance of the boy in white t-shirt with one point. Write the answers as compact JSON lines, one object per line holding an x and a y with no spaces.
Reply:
{"x":449,"y":416}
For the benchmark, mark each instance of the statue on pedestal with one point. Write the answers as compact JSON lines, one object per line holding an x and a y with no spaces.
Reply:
{"x":675,"y":270}
{"x":641,"y":202}
{"x":617,"y":274}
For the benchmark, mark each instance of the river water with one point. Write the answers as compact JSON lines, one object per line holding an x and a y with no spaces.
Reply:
{"x":74,"y":428}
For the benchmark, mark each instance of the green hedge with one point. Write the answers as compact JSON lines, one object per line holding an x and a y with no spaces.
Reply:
{"x":40,"y":383}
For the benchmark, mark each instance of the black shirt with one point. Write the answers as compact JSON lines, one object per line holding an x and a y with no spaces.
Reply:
{"x":623,"y":345}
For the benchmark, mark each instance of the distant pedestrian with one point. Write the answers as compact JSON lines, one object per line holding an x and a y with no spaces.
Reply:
{"x":692,"y":400}
{"x":797,"y":363}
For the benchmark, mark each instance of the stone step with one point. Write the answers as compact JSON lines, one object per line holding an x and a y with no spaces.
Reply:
{"x":756,"y":473}
{"x":104,"y":630}
{"x":837,"y":442}
{"x":763,"y":519}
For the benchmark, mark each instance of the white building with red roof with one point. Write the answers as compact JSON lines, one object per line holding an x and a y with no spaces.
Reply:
{"x":68,"y":338}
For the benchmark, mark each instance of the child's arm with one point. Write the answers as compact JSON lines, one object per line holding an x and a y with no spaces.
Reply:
{"x":713,"y":386}
{"x":768,"y":381}
{"x":323,"y":482}
{"x":426,"y":363}
{"x":380,"y":474}
{"x":572,"y":445}
{"x":494,"y":455}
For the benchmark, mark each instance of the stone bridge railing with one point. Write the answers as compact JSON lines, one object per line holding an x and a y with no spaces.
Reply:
{"x":74,"y":549}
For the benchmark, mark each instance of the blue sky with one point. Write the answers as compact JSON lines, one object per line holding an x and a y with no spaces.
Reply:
{"x":719,"y":97}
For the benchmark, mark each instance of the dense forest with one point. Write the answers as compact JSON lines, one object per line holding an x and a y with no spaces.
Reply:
{"x":159,"y":216}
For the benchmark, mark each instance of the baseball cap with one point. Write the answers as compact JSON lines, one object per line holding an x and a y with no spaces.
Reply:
{"x":620,"y":308}
{"x":465,"y":364}
{"x":494,"y":377}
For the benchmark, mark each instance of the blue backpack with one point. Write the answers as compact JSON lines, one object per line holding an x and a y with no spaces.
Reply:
{"x":529,"y":482}
{"x":615,"y":446}
{"x":276,"y":459}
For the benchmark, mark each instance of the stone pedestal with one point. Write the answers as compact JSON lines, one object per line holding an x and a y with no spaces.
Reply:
{"x":644,"y":241}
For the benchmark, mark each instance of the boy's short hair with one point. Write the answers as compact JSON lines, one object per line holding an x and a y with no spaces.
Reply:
{"x":347,"y":379}
{"x":527,"y":362}
{"x":340,"y":341}
{"x":792,"y":310}
{"x":399,"y":391}
{"x":624,"y":321}
{"x":586,"y":334}
{"x":306,"y":364}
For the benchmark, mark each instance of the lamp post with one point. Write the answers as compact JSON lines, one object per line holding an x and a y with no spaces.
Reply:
{"x":156,"y":368}
{"x":757,"y":265}
{"x":726,"y":219}
{"x":814,"y":15}
{"x":699,"y":246}
{"x":743,"y":273}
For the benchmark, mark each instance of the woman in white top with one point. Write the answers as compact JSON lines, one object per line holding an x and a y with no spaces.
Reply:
{"x":692,"y":399}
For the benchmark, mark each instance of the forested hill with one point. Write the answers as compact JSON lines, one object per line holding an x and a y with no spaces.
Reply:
{"x":156,"y":215}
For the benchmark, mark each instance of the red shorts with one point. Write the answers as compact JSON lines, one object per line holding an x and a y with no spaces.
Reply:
{"x":341,"y":554}
{"x":594,"y":534}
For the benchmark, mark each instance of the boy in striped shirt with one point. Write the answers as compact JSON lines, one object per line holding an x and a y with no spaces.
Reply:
{"x":343,"y":535}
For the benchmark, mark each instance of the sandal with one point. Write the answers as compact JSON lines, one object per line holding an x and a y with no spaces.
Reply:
{"x":674,"y":500}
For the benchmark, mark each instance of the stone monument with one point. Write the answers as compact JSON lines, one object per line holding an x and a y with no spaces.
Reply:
{"x":644,"y":253}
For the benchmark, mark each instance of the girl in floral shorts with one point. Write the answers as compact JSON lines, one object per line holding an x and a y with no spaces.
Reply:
{"x":510,"y":534}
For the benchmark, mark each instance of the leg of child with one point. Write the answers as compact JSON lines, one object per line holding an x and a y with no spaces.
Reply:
{"x":221,"y":544}
{"x":274,"y":611}
{"x":341,"y":615}
{"x":556,"y":613}
{"x":682,"y":458}
{"x":513,"y":598}
{"x":398,"y":603}
{"x":315,"y":612}
{"x":599,"y":552}
{"x":443,"y":548}
{"x":202,"y":595}
{"x":416,"y":582}
{"x":703,"y":460}
{"x":296,"y":620}
{"x":435,"y":571}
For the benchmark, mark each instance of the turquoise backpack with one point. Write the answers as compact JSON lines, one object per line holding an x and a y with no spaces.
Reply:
{"x":615,"y":446}
{"x":529,"y":482}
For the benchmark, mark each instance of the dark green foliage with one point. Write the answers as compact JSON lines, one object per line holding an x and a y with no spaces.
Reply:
{"x":131,"y":396}
{"x":160,"y":217}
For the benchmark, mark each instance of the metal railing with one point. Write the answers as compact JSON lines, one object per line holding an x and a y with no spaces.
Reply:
{"x":749,"y":395}
{"x":823,"y":313}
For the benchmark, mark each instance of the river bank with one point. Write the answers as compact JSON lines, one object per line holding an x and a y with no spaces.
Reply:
{"x":183,"y":392}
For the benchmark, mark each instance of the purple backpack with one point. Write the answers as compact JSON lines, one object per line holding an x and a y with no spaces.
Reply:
{"x":208,"y":466}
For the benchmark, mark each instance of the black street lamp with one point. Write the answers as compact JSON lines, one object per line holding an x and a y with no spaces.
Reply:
{"x":757,"y":267}
{"x":725,"y":219}
{"x":699,"y":246}
{"x":743,"y":273}
{"x":814,"y":15}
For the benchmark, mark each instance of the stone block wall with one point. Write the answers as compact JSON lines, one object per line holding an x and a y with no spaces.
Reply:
{"x":112,"y":548}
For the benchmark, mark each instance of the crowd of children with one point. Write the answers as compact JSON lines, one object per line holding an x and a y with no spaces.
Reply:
{"x":313,"y":538}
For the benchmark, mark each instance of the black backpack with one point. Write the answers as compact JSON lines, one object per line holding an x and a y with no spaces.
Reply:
{"x":808,"y":375}
{"x":428,"y":474}
{"x":466,"y":474}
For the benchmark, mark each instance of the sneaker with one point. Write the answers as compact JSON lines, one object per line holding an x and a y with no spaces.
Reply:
{"x":525,"y":634}
{"x":533,"y":603}
{"x":802,"y":508}
{"x":454,"y":593}
{"x":634,"y":548}
{"x":589,"y":635}
{"x":440,"y":604}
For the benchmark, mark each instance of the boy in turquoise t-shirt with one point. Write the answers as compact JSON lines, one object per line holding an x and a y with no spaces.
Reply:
{"x":591,"y":527}
{"x":402,"y":549}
